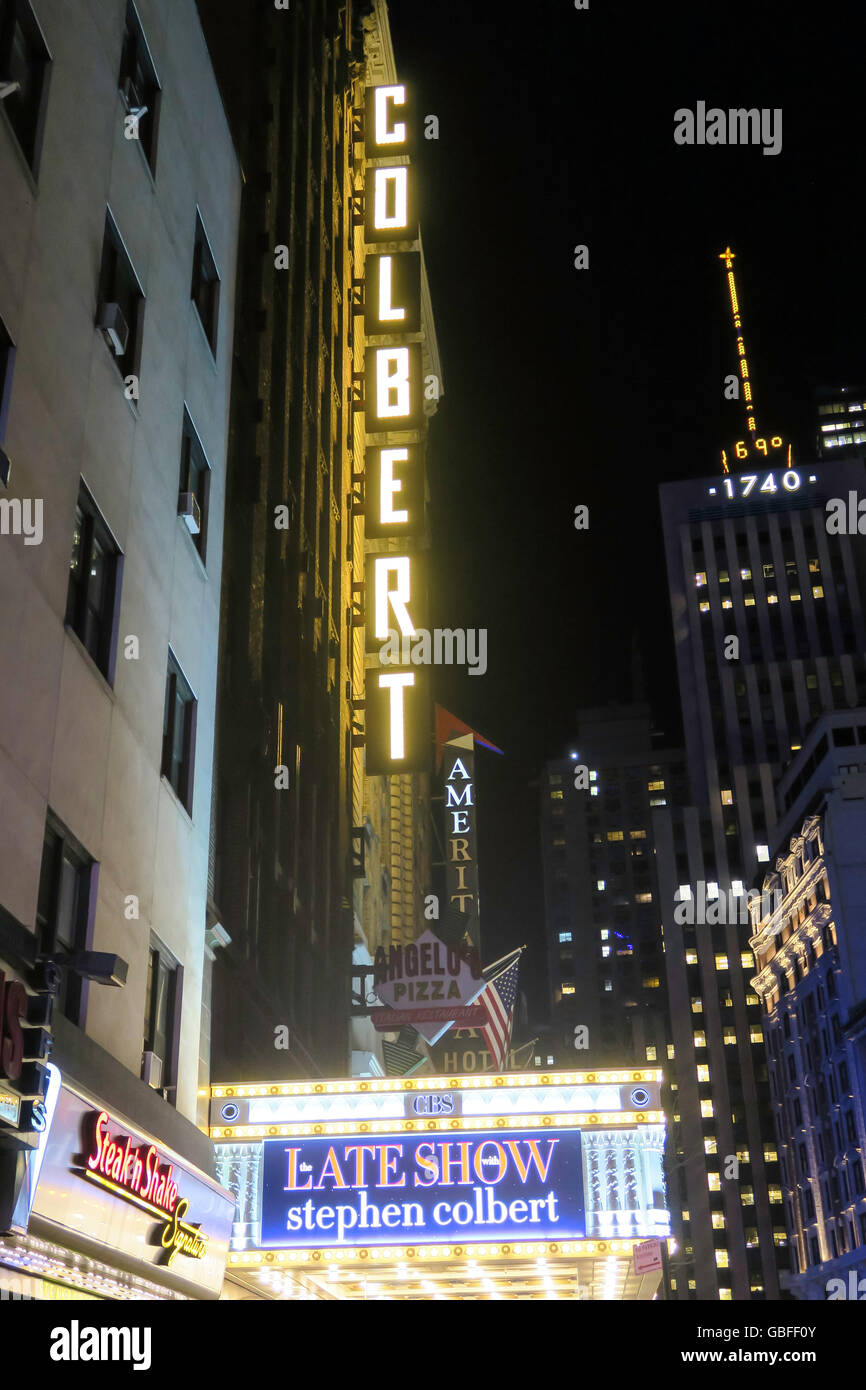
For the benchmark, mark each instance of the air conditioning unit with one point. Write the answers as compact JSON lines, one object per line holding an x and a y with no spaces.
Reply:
{"x":188,"y":508}
{"x":151,"y":1069}
{"x":114,"y":327}
{"x":5,"y":468}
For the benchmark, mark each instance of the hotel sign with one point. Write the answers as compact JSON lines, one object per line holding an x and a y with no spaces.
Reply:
{"x":397,"y":698}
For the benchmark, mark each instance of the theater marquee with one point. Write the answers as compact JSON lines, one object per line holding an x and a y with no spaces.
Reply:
{"x":363,"y":1173}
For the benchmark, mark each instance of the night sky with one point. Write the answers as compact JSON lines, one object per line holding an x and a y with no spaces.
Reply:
{"x":566,"y":386}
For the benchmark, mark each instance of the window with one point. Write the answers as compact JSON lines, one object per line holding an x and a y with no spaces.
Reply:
{"x":205,"y":283}
{"x":93,"y":596}
{"x":67,"y":889}
{"x":120,"y":302}
{"x":178,"y":733}
{"x":162,"y":1020}
{"x":567,"y":989}
{"x":24,"y":61}
{"x":195,"y":484}
{"x":7,"y":363}
{"x":565,"y":936}
{"x":139,"y":84}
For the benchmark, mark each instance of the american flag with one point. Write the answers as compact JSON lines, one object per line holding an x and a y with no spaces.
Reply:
{"x":498,"y":997}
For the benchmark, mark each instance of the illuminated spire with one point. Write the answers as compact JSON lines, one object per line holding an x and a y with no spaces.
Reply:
{"x":728,"y":257}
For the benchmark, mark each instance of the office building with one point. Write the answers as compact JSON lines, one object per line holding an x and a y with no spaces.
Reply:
{"x":313,"y":863}
{"x":606,"y":970}
{"x":841,"y":413}
{"x":119,"y":203}
{"x":810,"y":958}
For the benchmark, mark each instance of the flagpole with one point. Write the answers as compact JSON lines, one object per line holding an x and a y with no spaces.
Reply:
{"x":504,"y":959}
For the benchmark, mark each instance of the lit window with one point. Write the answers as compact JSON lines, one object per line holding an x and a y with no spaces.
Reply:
{"x":727,"y":603}
{"x":605,"y":950}
{"x":718,"y":1221}
{"x":558,"y":842}
{"x":637,"y":834}
{"x":614,"y":835}
{"x":770,"y":1154}
{"x":747,"y":1197}
{"x":775,"y":1196}
{"x":643,"y":897}
{"x":727,"y":797}
{"x":608,"y":986}
{"x":556,"y":796}
{"x":593,"y":777}
{"x":703,"y":1072}
{"x":795,"y":595}
{"x":651,"y":1054}
{"x":655,"y":786}
{"x":763,"y":853}
{"x":772,"y":598}
{"x":817,"y":591}
{"x":697,"y":1006}
{"x":700,"y":579}
{"x":814,"y":566}
{"x":658,"y":801}
{"x":599,"y":883}
{"x":593,"y":791}
{"x":550,"y":1061}
{"x":752,"y":999}
{"x":704,"y":607}
{"x":684,"y":893}
{"x":565,"y":936}
{"x":737,"y":888}
{"x":745,"y":574}
{"x":756,"y":1035}
{"x":749,"y":600}
{"x":769,"y":572}
{"x":712,"y":891}
{"x":725,"y":1295}
{"x":568,"y":989}
{"x":722,"y":1259}
{"x":721,"y":962}
{"x":729,"y":1037}
{"x":604,"y":933}
{"x":714,"y":1182}
{"x":706,"y":1110}
{"x":747,"y":960}
{"x":691,"y":957}
{"x":651,"y":982}
{"x":670,"y":1050}
{"x":724,"y":577}
{"x":700,"y":1039}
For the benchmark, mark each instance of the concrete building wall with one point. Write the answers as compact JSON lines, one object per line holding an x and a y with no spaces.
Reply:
{"x":68,"y":740}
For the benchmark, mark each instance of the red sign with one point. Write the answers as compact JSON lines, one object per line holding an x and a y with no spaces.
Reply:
{"x":469,"y":1015}
{"x":114,"y":1163}
{"x":13,"y":1007}
{"x":122,"y":1164}
{"x":648,"y":1257}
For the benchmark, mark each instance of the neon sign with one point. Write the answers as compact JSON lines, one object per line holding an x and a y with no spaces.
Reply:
{"x":396,"y":736}
{"x":132,"y":1172}
{"x":746,"y":484}
{"x":525,"y":1184}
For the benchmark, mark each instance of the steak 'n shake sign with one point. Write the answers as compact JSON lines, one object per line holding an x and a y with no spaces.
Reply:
{"x":397,"y":717}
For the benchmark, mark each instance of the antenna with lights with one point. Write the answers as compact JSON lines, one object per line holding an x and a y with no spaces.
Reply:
{"x":728,"y":257}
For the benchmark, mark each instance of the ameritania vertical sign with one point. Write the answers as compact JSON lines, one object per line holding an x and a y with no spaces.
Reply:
{"x":397,"y":697}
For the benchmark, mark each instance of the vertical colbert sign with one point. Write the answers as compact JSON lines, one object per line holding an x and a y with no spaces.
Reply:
{"x":461,"y":846}
{"x":397,"y":696}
